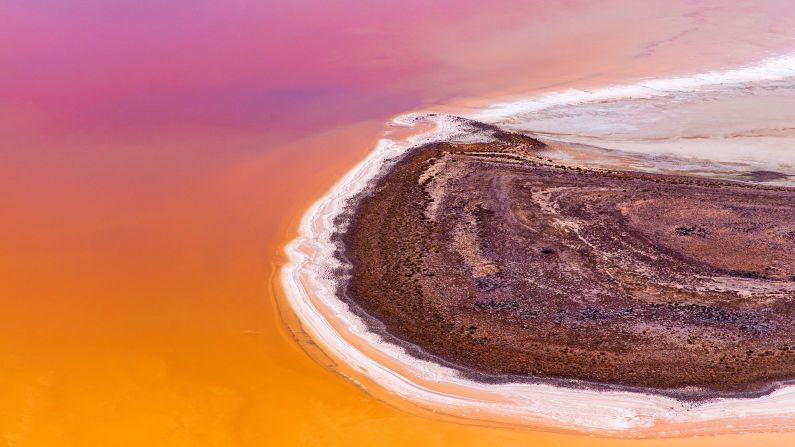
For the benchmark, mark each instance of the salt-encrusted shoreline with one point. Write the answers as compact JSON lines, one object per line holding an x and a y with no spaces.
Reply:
{"x":311,"y":290}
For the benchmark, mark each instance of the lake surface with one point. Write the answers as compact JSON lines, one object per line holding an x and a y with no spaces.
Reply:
{"x":157,"y":156}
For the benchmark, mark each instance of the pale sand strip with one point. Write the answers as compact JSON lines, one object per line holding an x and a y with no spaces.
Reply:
{"x":770,"y":69}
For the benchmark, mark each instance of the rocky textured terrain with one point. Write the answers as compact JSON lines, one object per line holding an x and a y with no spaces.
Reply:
{"x":491,"y":258}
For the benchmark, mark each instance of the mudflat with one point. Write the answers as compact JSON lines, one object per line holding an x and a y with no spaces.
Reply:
{"x":492,"y":259}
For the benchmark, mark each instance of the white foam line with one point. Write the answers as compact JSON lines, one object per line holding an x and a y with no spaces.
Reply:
{"x":311,"y":292}
{"x":771,"y":69}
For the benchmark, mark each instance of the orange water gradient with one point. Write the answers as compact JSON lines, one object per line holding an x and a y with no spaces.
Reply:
{"x":155,"y":156}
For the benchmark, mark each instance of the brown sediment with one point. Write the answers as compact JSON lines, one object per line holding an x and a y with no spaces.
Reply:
{"x":492,"y":259}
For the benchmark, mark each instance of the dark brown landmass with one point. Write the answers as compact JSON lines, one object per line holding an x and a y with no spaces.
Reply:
{"x":494,"y":260}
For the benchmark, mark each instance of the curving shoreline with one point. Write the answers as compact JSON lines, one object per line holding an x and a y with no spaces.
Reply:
{"x":311,"y":290}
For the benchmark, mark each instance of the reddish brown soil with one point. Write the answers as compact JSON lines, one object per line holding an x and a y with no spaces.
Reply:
{"x":492,"y":259}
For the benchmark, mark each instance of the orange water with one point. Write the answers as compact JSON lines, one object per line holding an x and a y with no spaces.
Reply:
{"x":221,"y":369}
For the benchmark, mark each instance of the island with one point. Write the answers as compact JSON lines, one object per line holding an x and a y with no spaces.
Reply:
{"x":508,"y":266}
